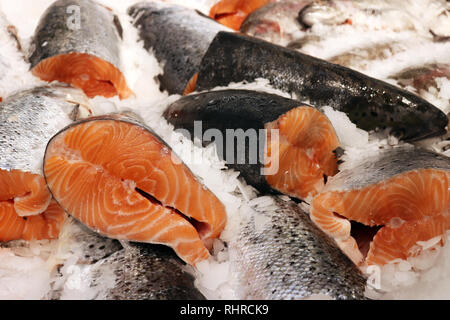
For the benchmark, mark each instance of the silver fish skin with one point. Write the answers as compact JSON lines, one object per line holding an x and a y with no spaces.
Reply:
{"x":147,"y":272}
{"x":275,"y":22}
{"x":94,"y":246}
{"x":88,"y":248}
{"x":96,"y":31}
{"x":123,"y":271}
{"x":380,"y":165}
{"x":178,"y":36}
{"x":280,"y":254}
{"x":28,"y":119}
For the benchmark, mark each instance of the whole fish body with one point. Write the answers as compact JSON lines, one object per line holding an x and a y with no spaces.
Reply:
{"x":402,"y":191}
{"x":279,"y":254}
{"x":257,"y":113}
{"x":78,"y":42}
{"x":178,"y":36}
{"x":368,"y":102}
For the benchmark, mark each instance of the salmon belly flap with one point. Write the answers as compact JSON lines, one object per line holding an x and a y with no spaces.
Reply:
{"x":27,"y":210}
{"x":407,"y":208}
{"x":120,"y":180}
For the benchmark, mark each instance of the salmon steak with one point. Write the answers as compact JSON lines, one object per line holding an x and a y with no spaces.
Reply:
{"x":121,"y":180}
{"x":28,"y":119}
{"x":402,"y":194}
{"x":78,"y":42}
{"x":294,"y":142}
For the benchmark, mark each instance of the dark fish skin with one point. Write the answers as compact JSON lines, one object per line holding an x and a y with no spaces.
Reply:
{"x":231,"y":109}
{"x":178,"y":36}
{"x":385,"y":164}
{"x":369,"y":103}
{"x":97,"y":34}
{"x":149,"y":272}
{"x":289,"y":257}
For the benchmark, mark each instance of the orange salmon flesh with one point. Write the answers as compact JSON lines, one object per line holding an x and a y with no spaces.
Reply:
{"x":93,"y":75}
{"x":27,"y":210}
{"x":409,"y":207}
{"x":190,"y":87}
{"x":232,"y":13}
{"x":121,"y":181}
{"x":305,"y":152}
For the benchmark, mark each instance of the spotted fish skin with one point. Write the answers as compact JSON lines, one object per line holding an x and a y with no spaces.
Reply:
{"x":94,"y":246}
{"x":369,"y":103}
{"x":148,"y":272}
{"x":28,"y":119}
{"x":287,"y":257}
{"x":140,"y":272}
{"x":178,"y":36}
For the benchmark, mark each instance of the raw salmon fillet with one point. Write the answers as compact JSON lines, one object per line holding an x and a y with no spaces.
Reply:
{"x":119,"y":179}
{"x":404,"y":192}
